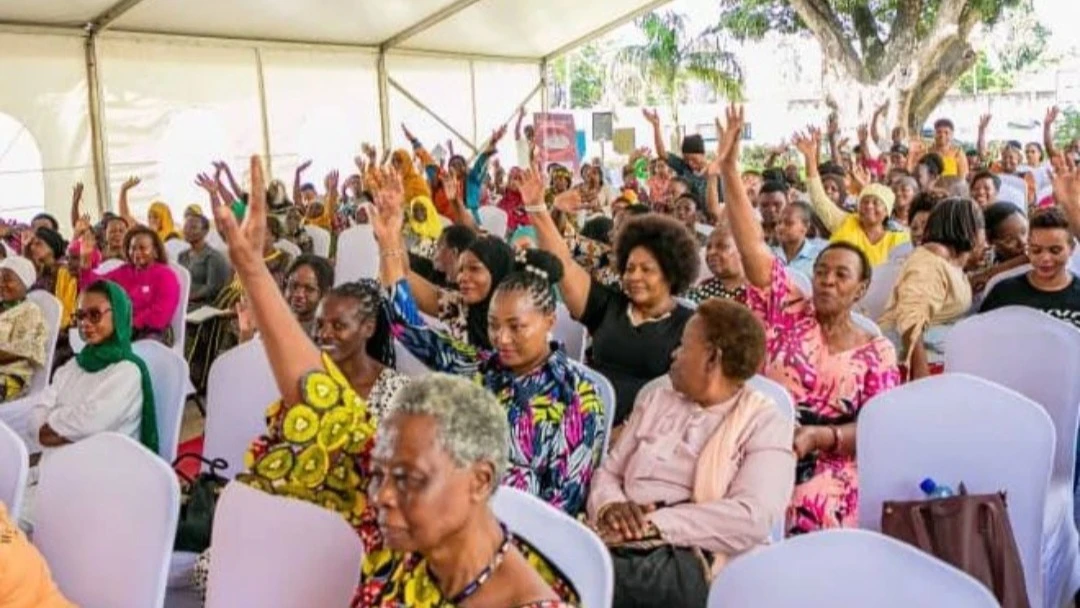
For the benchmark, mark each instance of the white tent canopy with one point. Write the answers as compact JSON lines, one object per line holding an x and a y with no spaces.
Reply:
{"x":101,"y":89}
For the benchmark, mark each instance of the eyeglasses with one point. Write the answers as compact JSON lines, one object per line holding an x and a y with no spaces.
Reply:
{"x":93,"y":315}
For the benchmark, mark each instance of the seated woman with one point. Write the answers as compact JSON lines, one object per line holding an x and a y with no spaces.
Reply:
{"x":308,"y":279}
{"x":932,"y":291}
{"x":865,"y":229}
{"x":148,"y":280}
{"x":634,"y":328}
{"x":423,"y":227}
{"x":556,"y":418}
{"x":106,"y":387}
{"x":23,"y":333}
{"x":294,"y":231}
{"x":25,"y":580}
{"x":1049,"y":286}
{"x":310,"y":382}
{"x":728,"y":280}
{"x":814,"y":349}
{"x":208,"y":267}
{"x":44,"y":247}
{"x":704,"y":466}
{"x":1007,"y":234}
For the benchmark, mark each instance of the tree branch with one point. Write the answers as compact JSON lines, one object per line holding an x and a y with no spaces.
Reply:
{"x":866,"y":27}
{"x":821,"y":19}
{"x":903,"y":36}
{"x":952,"y":61}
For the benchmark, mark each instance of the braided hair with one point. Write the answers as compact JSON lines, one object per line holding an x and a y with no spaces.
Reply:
{"x":371,"y":305}
{"x":536,"y":273}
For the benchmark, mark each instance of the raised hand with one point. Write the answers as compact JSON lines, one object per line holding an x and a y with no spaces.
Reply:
{"x":83,"y":225}
{"x":728,"y":137}
{"x":808,"y":144}
{"x":984,"y":121}
{"x":77,"y":192}
{"x":331,"y":181}
{"x":569,"y":201}
{"x":651,"y":115}
{"x":863,"y":133}
{"x":496,"y":135}
{"x":450,"y":186}
{"x":389,"y":208}
{"x":369,"y":151}
{"x":130,"y":183}
{"x":531,"y":189}
{"x":304,"y":166}
{"x":205,"y":182}
{"x":360,"y":163}
{"x":246,"y":240}
{"x":1067,"y":186}
{"x":1051,"y":115}
{"x":408,"y":134}
{"x":832,"y":125}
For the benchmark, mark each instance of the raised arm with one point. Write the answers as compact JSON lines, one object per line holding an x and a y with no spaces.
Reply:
{"x":1067,"y":194}
{"x":76,"y":198}
{"x":393,"y":255}
{"x":832,"y":132}
{"x":576,"y":282}
{"x":831,"y":215}
{"x":122,"y":204}
{"x":750,"y":240}
{"x":452,"y":190}
{"x":290,"y":351}
{"x":237,"y":191}
{"x":297,"y":181}
{"x":517,"y":123}
{"x":1048,"y":132}
{"x":980,"y":145}
{"x":658,"y":136}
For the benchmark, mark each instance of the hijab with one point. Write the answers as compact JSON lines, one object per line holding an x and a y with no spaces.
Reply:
{"x":414,"y":184}
{"x":498,"y":258}
{"x":96,"y":357}
{"x":431,"y":227}
{"x":168,"y":226}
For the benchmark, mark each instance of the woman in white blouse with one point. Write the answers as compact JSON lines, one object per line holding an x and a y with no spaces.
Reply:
{"x":106,"y":387}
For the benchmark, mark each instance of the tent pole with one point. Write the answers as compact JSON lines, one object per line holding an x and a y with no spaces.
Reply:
{"x":384,"y":98}
{"x":544,"y":85}
{"x":438,"y":119}
{"x":264,"y":117}
{"x":472,"y":91}
{"x":98,"y":148}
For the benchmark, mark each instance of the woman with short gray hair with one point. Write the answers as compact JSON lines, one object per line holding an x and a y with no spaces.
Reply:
{"x":437,"y":461}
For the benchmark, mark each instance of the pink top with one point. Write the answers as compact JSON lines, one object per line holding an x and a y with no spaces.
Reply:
{"x":655,"y":459}
{"x":154,"y":292}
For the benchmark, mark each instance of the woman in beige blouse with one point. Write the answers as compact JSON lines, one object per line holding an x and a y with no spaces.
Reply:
{"x":702,"y":471}
{"x":932,"y":291}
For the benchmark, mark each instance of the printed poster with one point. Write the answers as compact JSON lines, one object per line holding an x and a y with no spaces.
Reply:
{"x":556,"y":140}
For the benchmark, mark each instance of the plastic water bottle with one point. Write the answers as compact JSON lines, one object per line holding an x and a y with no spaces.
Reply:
{"x":933,"y":490}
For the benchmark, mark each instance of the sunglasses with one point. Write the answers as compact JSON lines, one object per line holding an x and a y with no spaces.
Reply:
{"x":93,"y":315}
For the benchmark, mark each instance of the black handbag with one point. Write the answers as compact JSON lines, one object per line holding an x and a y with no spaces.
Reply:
{"x":198,"y":501}
{"x":662,"y":576}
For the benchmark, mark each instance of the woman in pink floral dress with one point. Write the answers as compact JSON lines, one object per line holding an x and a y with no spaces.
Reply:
{"x":815,"y":349}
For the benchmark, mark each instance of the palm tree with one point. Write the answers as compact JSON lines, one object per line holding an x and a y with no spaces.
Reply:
{"x":670,"y":60}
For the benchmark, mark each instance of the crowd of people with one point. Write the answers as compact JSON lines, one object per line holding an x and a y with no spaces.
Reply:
{"x":690,"y":276}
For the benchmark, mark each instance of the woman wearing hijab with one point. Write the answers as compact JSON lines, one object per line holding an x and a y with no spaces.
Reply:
{"x":423,"y":228}
{"x":106,"y":387}
{"x":415,"y":185}
{"x":161,"y":221}
{"x":22,"y":329}
{"x":45,"y":248}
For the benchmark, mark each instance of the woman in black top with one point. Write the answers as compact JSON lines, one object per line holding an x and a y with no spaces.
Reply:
{"x":636,"y":328}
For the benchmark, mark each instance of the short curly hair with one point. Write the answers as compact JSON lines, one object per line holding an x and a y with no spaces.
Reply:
{"x":160,"y":254}
{"x":732,"y":329}
{"x":670,"y":242}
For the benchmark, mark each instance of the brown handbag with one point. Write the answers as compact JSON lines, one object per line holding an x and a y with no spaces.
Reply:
{"x":971,"y":532}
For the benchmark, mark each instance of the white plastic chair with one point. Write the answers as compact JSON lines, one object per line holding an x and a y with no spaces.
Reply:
{"x":109,"y":265}
{"x":15,"y":413}
{"x":900,"y":253}
{"x":179,"y":318}
{"x":802,"y":282}
{"x":882,"y":282}
{"x":320,"y":240}
{"x":357,"y":255}
{"x":322,"y":551}
{"x":169,"y":372}
{"x":571,"y":334}
{"x":493,"y":220}
{"x":957,"y":428}
{"x":104,"y":519}
{"x":239,"y":388}
{"x":1037,"y":356}
{"x":866,"y":323}
{"x":214,"y":240}
{"x":174,"y":247}
{"x":877,"y":571}
{"x":13,"y":472}
{"x":606,"y":392}
{"x":289,"y":247}
{"x":571,"y":547}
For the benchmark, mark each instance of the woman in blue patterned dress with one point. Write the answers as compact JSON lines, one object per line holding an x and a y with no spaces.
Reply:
{"x":556,"y":418}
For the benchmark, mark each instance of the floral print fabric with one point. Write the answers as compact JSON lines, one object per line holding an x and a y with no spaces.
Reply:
{"x":828,"y":388}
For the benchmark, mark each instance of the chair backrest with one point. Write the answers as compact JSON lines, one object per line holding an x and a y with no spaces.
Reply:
{"x":51,"y":309}
{"x":571,"y":547}
{"x":900,"y":253}
{"x":214,"y":239}
{"x":320,"y":240}
{"x":493,"y":220}
{"x":169,"y":376}
{"x":571,"y":334}
{"x":1009,"y":346}
{"x":802,"y":282}
{"x":882,"y":282}
{"x":239,"y":388}
{"x":179,"y":318}
{"x":866,"y":323}
{"x":174,"y":247}
{"x":408,"y":363}
{"x":105,"y":519}
{"x":13,"y":472}
{"x":957,"y":428}
{"x":357,"y":255}
{"x":109,"y":265}
{"x":1008,"y":274}
{"x":606,"y":391}
{"x":289,"y":247}
{"x":321,"y":550}
{"x":878,"y":571}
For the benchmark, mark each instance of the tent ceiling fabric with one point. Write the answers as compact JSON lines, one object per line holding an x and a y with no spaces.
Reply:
{"x":527,"y":29}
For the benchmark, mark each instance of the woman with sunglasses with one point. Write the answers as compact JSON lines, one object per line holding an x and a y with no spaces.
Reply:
{"x":106,"y":387}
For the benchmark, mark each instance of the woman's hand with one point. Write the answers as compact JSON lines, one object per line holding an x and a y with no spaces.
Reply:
{"x":246,"y":240}
{"x":808,"y":439}
{"x":389,"y":206}
{"x":532,"y":190}
{"x":245,"y":321}
{"x":450,"y":186}
{"x":130,"y":183}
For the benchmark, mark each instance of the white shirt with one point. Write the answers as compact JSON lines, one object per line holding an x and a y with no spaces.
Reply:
{"x":78,"y":404}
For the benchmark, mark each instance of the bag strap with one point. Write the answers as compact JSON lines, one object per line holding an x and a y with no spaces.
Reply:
{"x":215,"y":464}
{"x":990,"y":519}
{"x":917,"y":519}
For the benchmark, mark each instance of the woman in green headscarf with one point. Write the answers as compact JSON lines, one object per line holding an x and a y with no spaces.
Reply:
{"x":106,"y":387}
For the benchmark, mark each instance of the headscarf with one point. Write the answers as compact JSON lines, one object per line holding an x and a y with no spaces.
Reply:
{"x":96,"y":357}
{"x":414,"y":184}
{"x":193,"y":209}
{"x":498,"y":258}
{"x":882,"y":193}
{"x":524,"y":232}
{"x":431,"y":227}
{"x":164,"y":214}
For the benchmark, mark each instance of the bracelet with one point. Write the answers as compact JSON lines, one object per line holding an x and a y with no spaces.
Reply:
{"x":396,"y":253}
{"x":838,"y":438}
{"x":535,"y":208}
